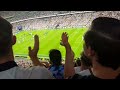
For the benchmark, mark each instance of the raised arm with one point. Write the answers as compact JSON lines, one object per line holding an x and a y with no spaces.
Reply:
{"x":69,"y":64}
{"x":33,"y":52}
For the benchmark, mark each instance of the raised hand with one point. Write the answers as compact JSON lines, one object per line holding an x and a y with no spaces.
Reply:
{"x":33,"y":52}
{"x":64,"y":40}
{"x":69,"y":57}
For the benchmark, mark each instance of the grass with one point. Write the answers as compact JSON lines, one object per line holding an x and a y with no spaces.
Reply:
{"x":49,"y":39}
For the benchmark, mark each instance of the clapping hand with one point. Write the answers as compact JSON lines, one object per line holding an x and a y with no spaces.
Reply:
{"x":64,"y":40}
{"x":33,"y":52}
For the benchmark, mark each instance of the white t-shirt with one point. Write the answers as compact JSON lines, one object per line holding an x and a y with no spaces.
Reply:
{"x":84,"y":72}
{"x":77,"y":69}
{"x":35,"y":72}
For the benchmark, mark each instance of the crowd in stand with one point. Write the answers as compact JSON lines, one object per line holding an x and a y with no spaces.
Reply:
{"x":99,"y":59}
{"x":65,"y":21}
{"x":19,"y":15}
{"x":24,"y":62}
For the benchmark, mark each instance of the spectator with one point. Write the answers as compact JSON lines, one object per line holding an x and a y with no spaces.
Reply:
{"x":106,"y":25}
{"x":8,"y":68}
{"x":103,"y":55}
{"x":56,"y":64}
{"x":85,"y":62}
{"x":85,"y":65}
{"x":70,"y":69}
{"x":77,"y":65}
{"x":56,"y":67}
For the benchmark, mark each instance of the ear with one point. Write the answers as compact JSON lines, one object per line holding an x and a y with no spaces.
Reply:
{"x":13,"y":39}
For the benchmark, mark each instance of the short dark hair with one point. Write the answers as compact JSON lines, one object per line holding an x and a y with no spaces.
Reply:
{"x":5,"y":37}
{"x":106,"y":48}
{"x":85,"y":60}
{"x":107,"y":25}
{"x":55,"y":57}
{"x":78,"y":62}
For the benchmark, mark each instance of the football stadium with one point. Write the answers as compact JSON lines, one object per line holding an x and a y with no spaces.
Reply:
{"x":59,"y":45}
{"x":49,"y":26}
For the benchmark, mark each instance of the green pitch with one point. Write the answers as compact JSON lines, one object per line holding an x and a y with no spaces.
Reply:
{"x":49,"y":39}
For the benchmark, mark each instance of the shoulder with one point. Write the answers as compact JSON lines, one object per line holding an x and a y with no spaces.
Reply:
{"x":42,"y":72}
{"x":35,"y":72}
{"x":77,"y":76}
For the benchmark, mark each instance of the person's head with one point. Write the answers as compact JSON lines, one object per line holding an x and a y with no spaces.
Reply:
{"x":103,"y":49}
{"x":107,"y":25}
{"x":77,"y":62}
{"x":55,"y":57}
{"x":6,"y":37}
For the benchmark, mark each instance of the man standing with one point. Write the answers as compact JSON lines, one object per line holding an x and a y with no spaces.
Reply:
{"x":8,"y":68}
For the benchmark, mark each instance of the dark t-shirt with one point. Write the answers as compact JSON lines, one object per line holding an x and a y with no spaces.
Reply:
{"x":77,"y":76}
